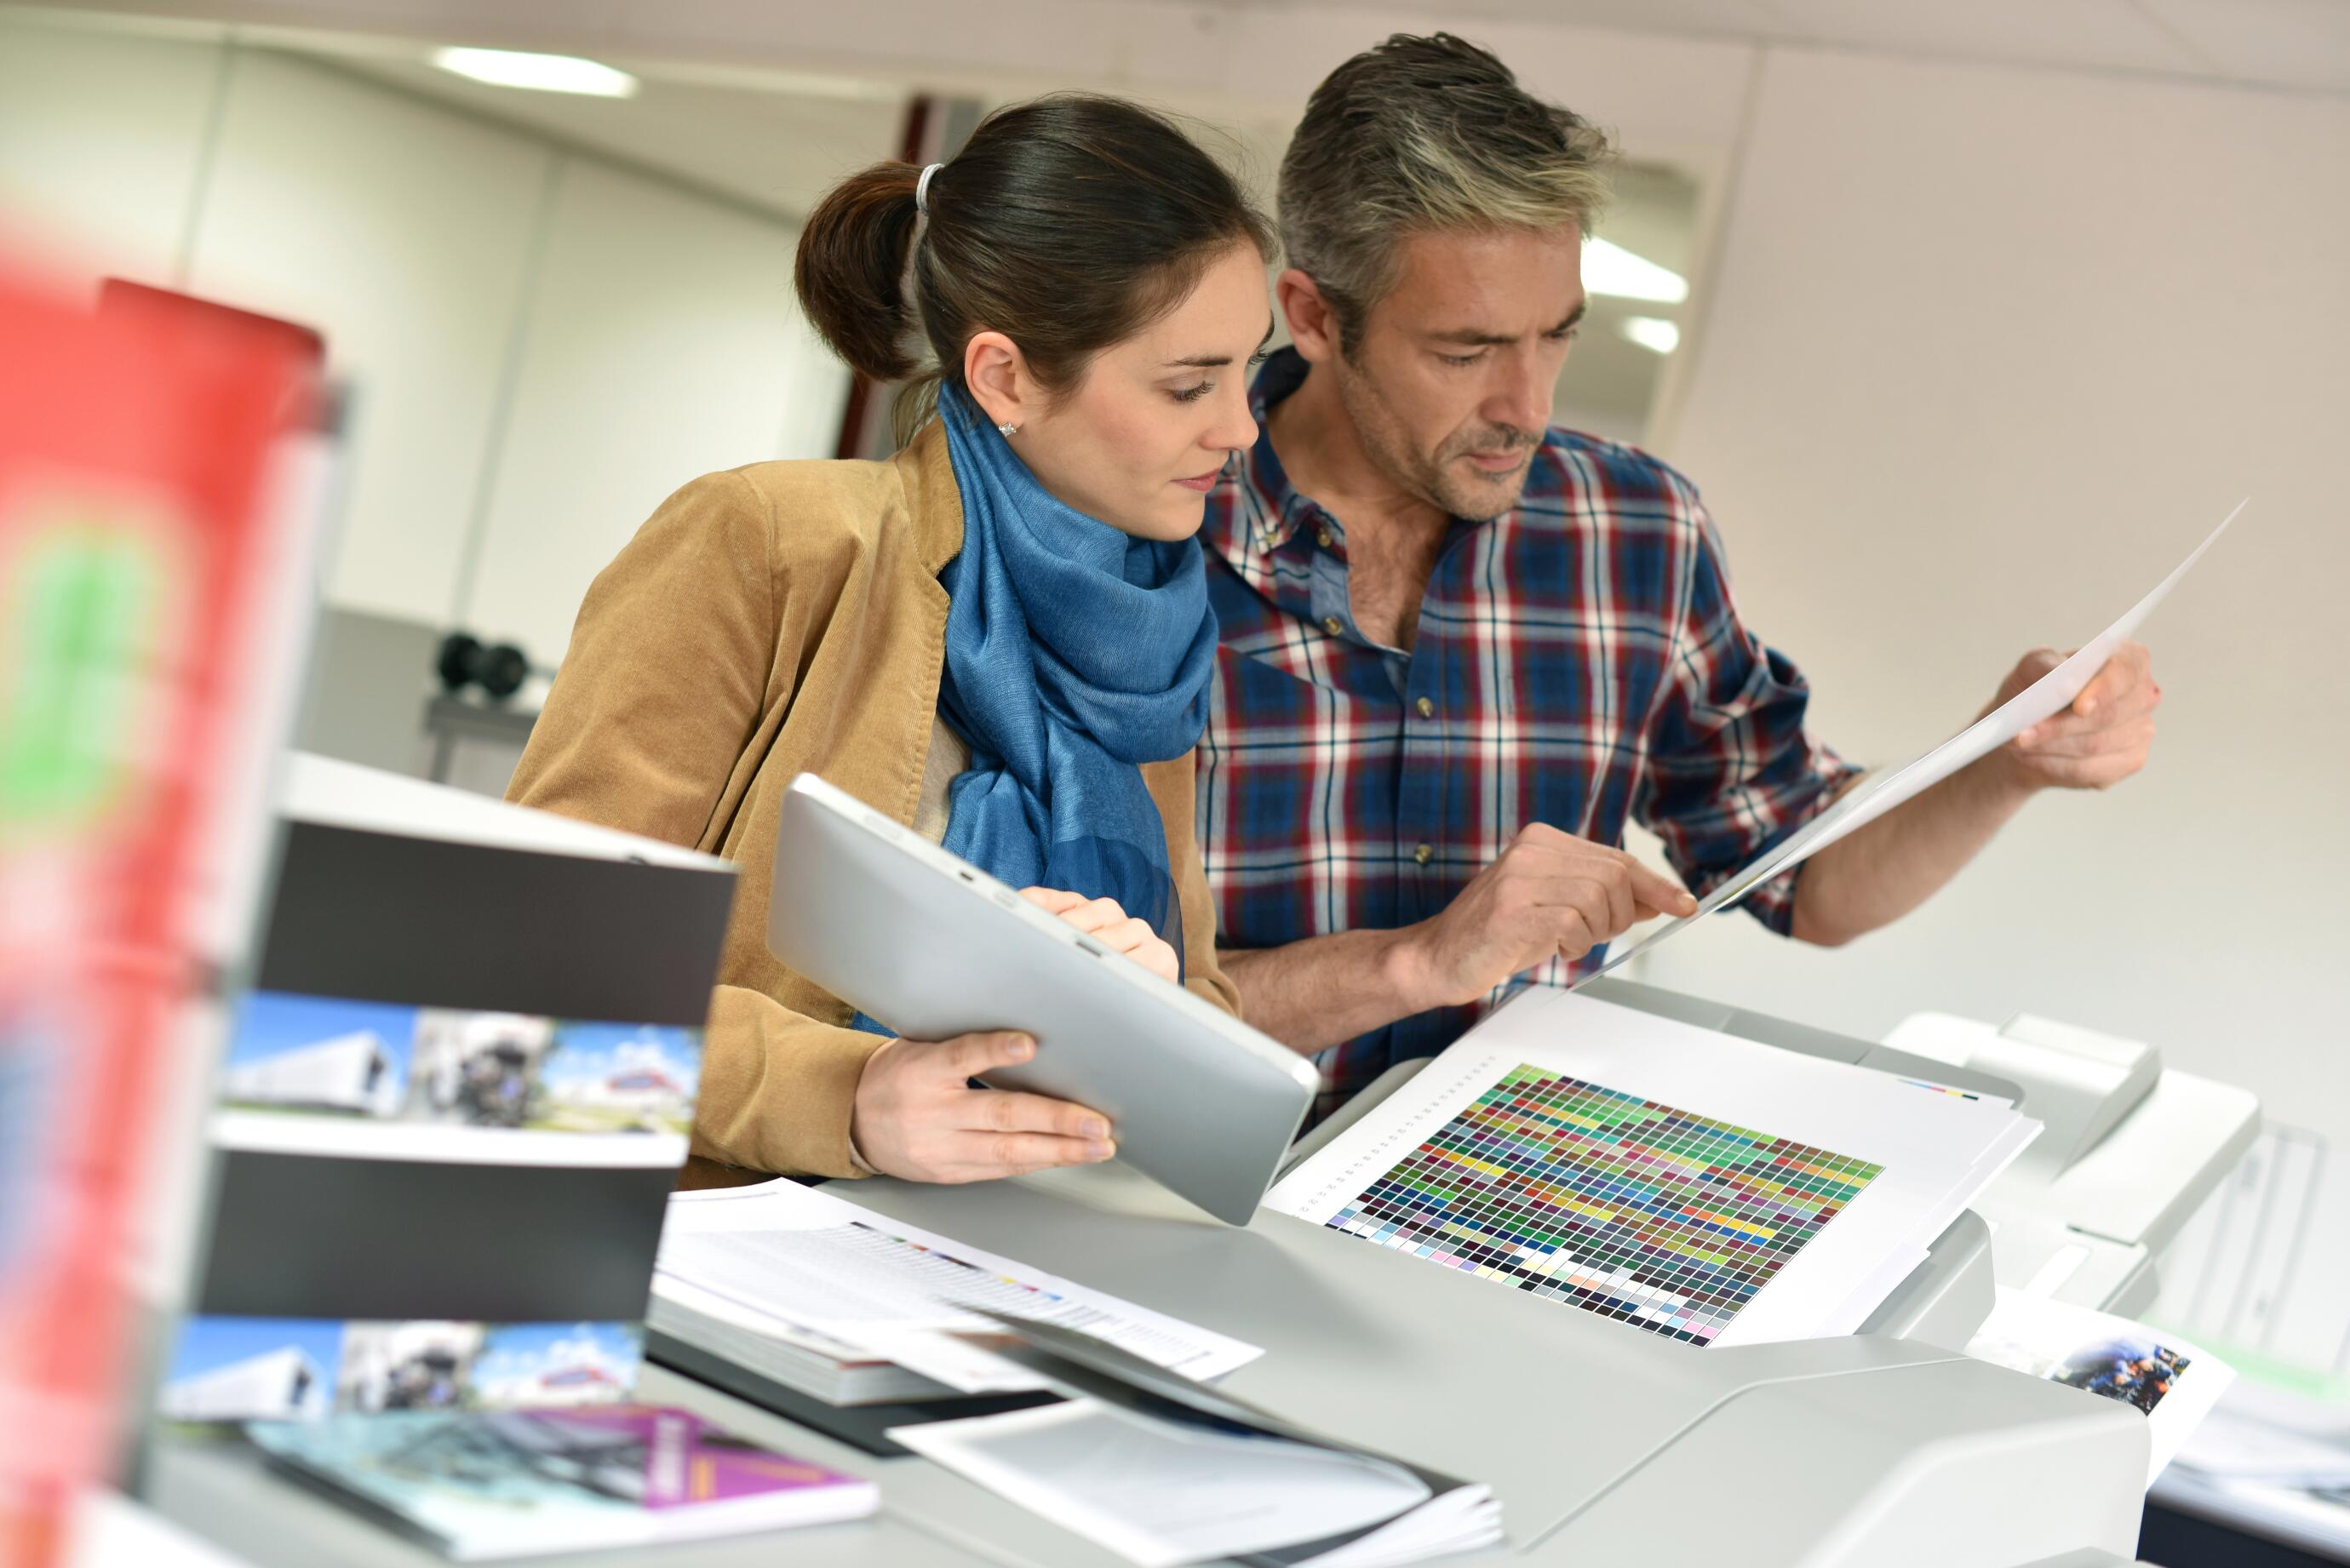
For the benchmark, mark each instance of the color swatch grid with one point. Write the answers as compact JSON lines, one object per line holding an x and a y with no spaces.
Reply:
{"x":1637,"y":1212}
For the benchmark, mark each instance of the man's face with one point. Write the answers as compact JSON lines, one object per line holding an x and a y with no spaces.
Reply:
{"x":1450,"y":385}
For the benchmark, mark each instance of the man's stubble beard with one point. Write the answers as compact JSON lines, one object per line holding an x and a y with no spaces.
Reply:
{"x":1432,"y":480}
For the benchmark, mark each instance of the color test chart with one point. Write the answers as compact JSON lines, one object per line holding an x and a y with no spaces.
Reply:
{"x":1627,"y":1207}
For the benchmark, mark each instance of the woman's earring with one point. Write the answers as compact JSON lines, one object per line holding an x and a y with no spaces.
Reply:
{"x":1007,"y":429}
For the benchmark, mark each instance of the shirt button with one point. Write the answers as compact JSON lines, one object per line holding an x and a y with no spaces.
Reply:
{"x":1333,"y":624}
{"x":1427,"y":709}
{"x":1424,"y":854}
{"x":1323,"y":537}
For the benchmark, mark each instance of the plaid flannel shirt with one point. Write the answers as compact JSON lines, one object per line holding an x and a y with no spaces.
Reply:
{"x":1578,"y":662}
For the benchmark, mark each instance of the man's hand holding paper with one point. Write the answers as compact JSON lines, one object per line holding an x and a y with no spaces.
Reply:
{"x":2083,"y":720}
{"x":2099,"y":741}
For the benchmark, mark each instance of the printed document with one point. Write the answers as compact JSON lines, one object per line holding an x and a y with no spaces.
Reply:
{"x":1873,"y":797}
{"x":808,"y":1262}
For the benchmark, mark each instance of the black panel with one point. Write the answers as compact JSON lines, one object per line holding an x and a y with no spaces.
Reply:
{"x":307,"y":1236}
{"x":2177,"y":1539}
{"x":381,"y":918}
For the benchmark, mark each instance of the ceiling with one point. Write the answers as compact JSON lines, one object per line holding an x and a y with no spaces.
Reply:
{"x":775,"y":139}
{"x":779,"y":143}
{"x":2277,"y":43}
{"x":772,"y":139}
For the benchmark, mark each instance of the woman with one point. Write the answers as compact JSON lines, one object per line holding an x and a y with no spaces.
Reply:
{"x":1000,"y":636}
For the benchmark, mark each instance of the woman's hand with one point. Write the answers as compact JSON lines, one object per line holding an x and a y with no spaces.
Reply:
{"x":915,"y":1114}
{"x":1120,"y":932}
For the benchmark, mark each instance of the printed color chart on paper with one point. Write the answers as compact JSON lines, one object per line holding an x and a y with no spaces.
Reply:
{"x":1626,"y":1208}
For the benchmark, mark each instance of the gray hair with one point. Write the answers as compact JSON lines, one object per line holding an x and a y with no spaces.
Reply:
{"x":1416,"y":135}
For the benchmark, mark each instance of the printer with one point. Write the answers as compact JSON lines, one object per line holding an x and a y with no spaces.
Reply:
{"x":1886,"y":1446}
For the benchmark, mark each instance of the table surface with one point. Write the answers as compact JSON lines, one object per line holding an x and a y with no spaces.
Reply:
{"x":1359,"y":1341}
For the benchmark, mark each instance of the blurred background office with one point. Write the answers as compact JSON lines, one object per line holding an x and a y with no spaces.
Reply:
{"x":1969,"y":320}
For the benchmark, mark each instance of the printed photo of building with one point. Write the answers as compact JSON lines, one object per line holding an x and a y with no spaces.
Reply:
{"x":322,"y":1057}
{"x":348,"y":1072}
{"x":319,"y":1056}
{"x":247,"y":1369}
{"x":618,"y":1077}
{"x":527,"y":1364}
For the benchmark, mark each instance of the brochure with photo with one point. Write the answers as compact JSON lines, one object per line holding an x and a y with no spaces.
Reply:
{"x":2173,"y":1383}
{"x":527,"y":1483}
{"x":450,"y":1108}
{"x":349,"y":1077}
{"x":302,"y":1369}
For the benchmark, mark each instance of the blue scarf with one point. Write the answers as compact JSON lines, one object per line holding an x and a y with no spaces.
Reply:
{"x":1074,"y":653}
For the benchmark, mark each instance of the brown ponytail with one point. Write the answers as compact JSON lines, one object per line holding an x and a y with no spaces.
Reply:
{"x":851,"y":268}
{"x":1068,"y":225}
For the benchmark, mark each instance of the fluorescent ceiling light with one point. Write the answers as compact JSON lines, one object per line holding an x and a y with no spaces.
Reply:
{"x":540,"y":73}
{"x":1610,"y":268}
{"x":1652,"y":332}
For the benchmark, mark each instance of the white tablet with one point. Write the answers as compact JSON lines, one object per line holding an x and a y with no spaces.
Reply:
{"x":934,"y":947}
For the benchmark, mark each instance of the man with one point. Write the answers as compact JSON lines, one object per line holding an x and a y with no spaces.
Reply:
{"x":1461,"y":650}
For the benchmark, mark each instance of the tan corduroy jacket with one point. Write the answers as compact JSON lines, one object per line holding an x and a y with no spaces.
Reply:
{"x":781,"y":618}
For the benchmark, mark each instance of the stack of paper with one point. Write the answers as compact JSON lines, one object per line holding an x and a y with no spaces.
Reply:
{"x":1161,"y":1490}
{"x":2229,"y":1448}
{"x":1165,"y":1471}
{"x":849,"y":1306}
{"x":2272,"y":1461}
{"x":801,"y":1359}
{"x":1704,"y":1188}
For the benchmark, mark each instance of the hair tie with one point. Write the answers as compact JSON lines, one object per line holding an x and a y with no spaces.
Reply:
{"x":922,"y":189}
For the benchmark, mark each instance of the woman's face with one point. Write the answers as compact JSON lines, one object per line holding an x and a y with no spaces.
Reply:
{"x":1139,"y":440}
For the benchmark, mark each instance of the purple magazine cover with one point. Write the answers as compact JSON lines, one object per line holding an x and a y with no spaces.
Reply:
{"x":507,"y":1483}
{"x":687,"y":1460}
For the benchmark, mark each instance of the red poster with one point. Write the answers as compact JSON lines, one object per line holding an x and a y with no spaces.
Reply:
{"x":140,"y":563}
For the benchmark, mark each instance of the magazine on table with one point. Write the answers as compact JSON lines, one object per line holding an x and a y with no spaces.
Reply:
{"x":481,"y":1485}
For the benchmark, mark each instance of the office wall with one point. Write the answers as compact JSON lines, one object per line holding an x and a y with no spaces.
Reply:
{"x":624,"y":391}
{"x":101,"y":135}
{"x":539,"y":345}
{"x":403,"y":234}
{"x":1985,"y":351}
